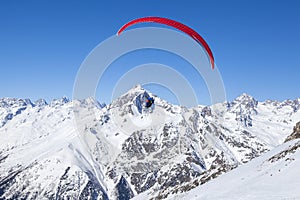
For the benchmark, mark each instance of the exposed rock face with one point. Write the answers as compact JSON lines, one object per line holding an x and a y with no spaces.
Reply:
{"x":283,"y":154}
{"x":295,"y":134}
{"x":123,"y":190}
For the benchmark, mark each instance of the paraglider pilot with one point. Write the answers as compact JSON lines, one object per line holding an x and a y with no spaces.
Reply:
{"x":149,"y":101}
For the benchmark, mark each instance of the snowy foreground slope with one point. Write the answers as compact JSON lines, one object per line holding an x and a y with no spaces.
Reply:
{"x":81,"y":149}
{"x":274,"y":175}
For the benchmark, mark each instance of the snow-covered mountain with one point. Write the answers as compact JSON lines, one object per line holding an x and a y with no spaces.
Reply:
{"x":81,"y":149}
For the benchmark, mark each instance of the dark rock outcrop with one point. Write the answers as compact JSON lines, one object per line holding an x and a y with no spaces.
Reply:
{"x":295,"y":134}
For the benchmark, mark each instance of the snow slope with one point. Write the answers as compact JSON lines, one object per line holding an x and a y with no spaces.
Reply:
{"x":274,"y":175}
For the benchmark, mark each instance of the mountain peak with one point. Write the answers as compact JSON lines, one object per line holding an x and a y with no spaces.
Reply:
{"x":129,"y":96}
{"x":61,"y":101}
{"x":41,"y":102}
{"x":11,"y":102}
{"x":244,"y":97}
{"x":92,"y":101}
{"x":138,"y":86}
{"x":137,"y":89}
{"x":245,"y":100}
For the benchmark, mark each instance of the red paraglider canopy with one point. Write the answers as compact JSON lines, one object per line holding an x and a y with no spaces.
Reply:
{"x":176,"y":25}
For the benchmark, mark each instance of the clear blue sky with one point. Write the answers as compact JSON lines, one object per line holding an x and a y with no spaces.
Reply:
{"x":255,"y":42}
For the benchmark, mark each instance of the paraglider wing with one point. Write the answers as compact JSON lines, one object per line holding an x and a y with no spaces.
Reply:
{"x":189,"y":31}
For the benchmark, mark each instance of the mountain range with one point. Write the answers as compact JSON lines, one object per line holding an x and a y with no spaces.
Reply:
{"x":82,"y":149}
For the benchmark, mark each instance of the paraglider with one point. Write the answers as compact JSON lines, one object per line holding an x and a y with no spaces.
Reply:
{"x":148,"y":102}
{"x":189,"y":31}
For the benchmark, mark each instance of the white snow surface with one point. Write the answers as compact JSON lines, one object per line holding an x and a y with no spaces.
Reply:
{"x":258,"y":179}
